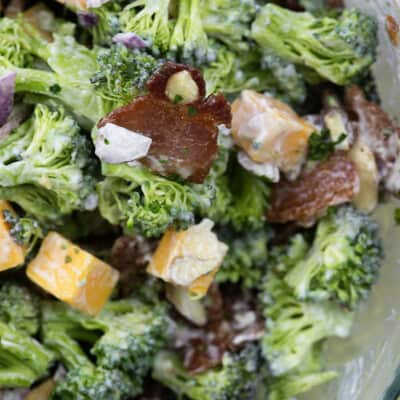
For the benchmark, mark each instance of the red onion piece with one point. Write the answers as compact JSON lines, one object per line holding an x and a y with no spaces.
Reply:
{"x":7,"y":87}
{"x":130,"y":40}
{"x":87,"y":19}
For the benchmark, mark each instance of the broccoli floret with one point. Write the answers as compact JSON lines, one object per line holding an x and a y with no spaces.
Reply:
{"x":232,"y":72}
{"x":89,"y":383}
{"x":24,"y":230}
{"x":338,"y":49}
{"x":188,"y":39}
{"x":236,"y":379}
{"x":293,"y":326}
{"x":143,"y":202}
{"x":23,"y":360}
{"x":343,"y":261}
{"x":229,"y":21}
{"x":309,"y":374}
{"x":122,"y":73}
{"x":246,"y":259}
{"x":240,"y":199}
{"x":71,"y":67}
{"x":123,"y":340}
{"x":46,"y":160}
{"x":150,"y":20}
{"x":19,"y":307}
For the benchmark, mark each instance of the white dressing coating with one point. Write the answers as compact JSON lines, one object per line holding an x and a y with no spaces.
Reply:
{"x":268,"y":170}
{"x":115,"y":144}
{"x":95,"y":3}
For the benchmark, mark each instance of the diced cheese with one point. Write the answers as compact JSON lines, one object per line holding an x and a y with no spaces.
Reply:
{"x":189,"y":258}
{"x":115,"y":144}
{"x":72,"y":274}
{"x":12,"y":254}
{"x":182,"y":88}
{"x":269,"y":131}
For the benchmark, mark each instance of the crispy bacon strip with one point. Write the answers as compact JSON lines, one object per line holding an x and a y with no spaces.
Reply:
{"x":330,"y":183}
{"x":184,"y":136}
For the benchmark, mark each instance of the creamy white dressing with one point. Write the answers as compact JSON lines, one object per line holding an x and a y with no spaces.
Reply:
{"x":115,"y":144}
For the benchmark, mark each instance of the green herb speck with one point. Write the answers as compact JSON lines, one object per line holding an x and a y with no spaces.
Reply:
{"x":55,"y":88}
{"x":192,"y":111}
{"x":68,"y":259}
{"x":177,"y":99}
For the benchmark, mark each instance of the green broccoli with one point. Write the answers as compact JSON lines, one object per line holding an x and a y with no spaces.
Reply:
{"x":122,"y":73}
{"x":188,"y":40}
{"x":45,"y":166}
{"x":232,"y":72}
{"x":246,"y":259}
{"x":343,"y":261}
{"x":229,"y":21}
{"x":143,"y":202}
{"x":338,"y":49}
{"x":150,"y":20}
{"x":71,"y":67}
{"x":293,"y":326}
{"x":236,"y":379}
{"x":19,"y":307}
{"x":123,"y":339}
{"x":308,"y":375}
{"x":23,"y":360}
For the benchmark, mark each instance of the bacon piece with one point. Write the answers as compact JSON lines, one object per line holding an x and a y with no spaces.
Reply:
{"x":330,"y":183}
{"x":375,"y":129}
{"x":232,"y":322}
{"x":184,"y":136}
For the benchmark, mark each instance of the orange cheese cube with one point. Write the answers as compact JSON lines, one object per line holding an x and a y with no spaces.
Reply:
{"x":72,"y":274}
{"x":269,"y":131}
{"x":189,"y":258}
{"x":12,"y":254}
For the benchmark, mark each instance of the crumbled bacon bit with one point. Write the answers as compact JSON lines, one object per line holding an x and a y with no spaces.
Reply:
{"x":330,"y":183}
{"x":233,"y":321}
{"x":375,"y":129}
{"x":184,"y":136}
{"x":393,"y":29}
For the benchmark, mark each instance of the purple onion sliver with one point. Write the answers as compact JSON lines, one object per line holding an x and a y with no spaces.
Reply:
{"x":87,"y":19}
{"x":130,"y":40}
{"x":19,"y":114}
{"x":7,"y":87}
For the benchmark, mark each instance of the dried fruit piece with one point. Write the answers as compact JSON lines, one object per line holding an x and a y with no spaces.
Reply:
{"x":330,"y":183}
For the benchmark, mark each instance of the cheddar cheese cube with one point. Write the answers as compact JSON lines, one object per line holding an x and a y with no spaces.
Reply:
{"x":189,"y":258}
{"x":72,"y":274}
{"x":12,"y":254}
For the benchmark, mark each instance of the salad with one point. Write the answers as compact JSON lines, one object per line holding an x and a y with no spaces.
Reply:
{"x":187,"y":192}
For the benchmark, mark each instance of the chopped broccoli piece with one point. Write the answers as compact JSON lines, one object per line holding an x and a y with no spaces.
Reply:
{"x":23,"y":360}
{"x":89,"y":383}
{"x":308,"y":375}
{"x":229,"y":21}
{"x":188,"y":39}
{"x":122,"y":73}
{"x":338,"y":49}
{"x":150,"y":20}
{"x":24,"y":230}
{"x":143,"y":202}
{"x":123,"y":339}
{"x":232,"y":72}
{"x":71,"y":67}
{"x":294,"y":326}
{"x":246,"y":259}
{"x":44,"y":166}
{"x":343,"y":261}
{"x":19,"y":307}
{"x":240,"y":199}
{"x":236,"y":379}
